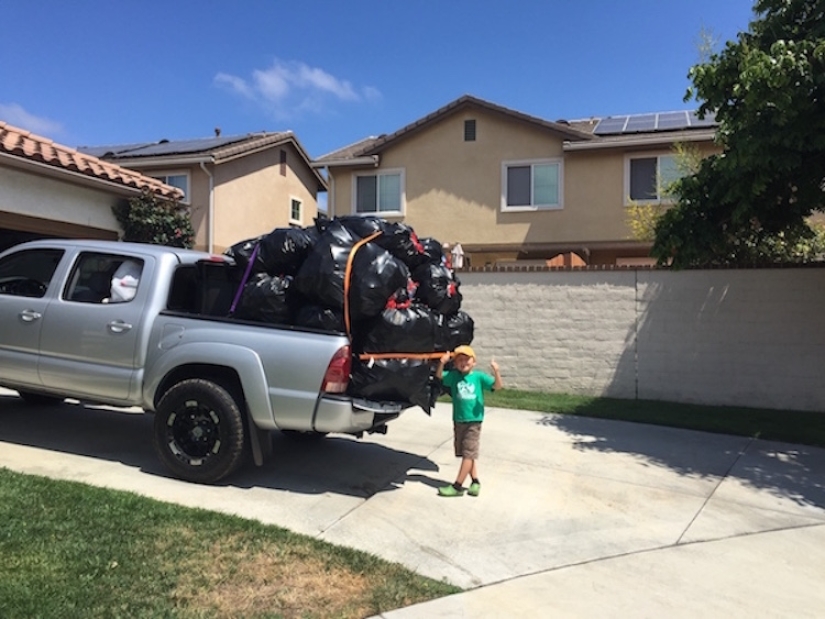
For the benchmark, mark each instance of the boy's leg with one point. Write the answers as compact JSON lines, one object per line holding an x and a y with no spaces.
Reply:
{"x":466,"y":439}
{"x":468,"y":465}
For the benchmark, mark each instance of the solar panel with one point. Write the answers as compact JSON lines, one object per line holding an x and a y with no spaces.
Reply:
{"x":641,"y":122}
{"x":672,"y":120}
{"x":648,"y":123}
{"x":708,"y":121}
{"x":117,"y":149}
{"x":611,"y":124}
{"x":166,"y":147}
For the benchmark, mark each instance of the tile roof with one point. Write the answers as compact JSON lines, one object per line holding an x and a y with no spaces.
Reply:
{"x":217,"y":148}
{"x":349,"y":151}
{"x":29,"y":147}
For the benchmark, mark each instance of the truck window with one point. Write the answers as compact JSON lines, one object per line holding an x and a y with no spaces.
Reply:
{"x":28,"y":273}
{"x":104,"y":278}
{"x":204,"y":288}
{"x":183,"y":295}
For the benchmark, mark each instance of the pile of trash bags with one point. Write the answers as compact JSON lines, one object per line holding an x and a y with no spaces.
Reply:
{"x":393,"y":294}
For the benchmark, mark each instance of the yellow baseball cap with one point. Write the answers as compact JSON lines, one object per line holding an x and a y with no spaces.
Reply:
{"x":464,"y":350}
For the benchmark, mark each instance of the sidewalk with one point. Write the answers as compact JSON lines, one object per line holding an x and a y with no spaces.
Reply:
{"x":577,"y":517}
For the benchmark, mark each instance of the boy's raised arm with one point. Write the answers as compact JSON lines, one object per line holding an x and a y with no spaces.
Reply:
{"x":496,"y":374}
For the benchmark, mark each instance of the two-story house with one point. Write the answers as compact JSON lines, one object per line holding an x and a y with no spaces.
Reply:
{"x":508,"y":187}
{"x":51,"y":190}
{"x":237,"y":187}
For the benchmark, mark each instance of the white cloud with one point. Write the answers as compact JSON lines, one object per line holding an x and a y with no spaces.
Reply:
{"x":14,"y":114}
{"x":292,"y":87}
{"x":233,"y":83}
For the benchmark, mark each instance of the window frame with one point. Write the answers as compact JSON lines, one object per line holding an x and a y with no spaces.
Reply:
{"x":517,"y":163}
{"x":402,"y":198}
{"x":164,"y":178}
{"x":470,"y":130}
{"x":292,"y":201}
{"x":661,"y":198}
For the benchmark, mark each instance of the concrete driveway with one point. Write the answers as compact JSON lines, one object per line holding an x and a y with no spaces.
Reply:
{"x":577,"y":517}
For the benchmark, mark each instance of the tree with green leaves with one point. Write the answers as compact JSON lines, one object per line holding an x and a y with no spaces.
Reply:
{"x":148,"y":218}
{"x":750,"y":203}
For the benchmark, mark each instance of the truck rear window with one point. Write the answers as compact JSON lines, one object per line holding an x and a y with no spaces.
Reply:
{"x":204,"y":288}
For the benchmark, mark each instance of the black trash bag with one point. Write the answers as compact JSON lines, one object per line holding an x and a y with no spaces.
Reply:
{"x":454,"y":330}
{"x":376,"y":276}
{"x":321,"y":276}
{"x":317,"y":317}
{"x":437,"y":288}
{"x":320,"y":223}
{"x":409,"y":329}
{"x":242,"y":252}
{"x":282,"y":251}
{"x":399,"y":380}
{"x":264,"y":299}
{"x":401,"y":241}
{"x":433,"y":250}
{"x":363,"y":226}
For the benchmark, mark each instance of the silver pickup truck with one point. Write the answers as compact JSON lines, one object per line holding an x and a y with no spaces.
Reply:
{"x":129,"y":324}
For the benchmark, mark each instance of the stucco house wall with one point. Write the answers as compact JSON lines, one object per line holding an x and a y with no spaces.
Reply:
{"x":453,"y":187}
{"x":33,"y":195}
{"x":253,"y":195}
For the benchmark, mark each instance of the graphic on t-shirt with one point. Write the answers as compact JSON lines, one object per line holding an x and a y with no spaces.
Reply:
{"x":466,"y":390}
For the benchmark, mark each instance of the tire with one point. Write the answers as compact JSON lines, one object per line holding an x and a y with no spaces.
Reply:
{"x":40,"y":399}
{"x":199,"y":431}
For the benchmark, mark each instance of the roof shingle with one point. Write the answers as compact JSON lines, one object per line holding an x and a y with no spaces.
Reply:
{"x":31,"y":147}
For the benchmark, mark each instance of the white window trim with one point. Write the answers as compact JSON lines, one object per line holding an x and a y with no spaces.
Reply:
{"x":380,"y":172}
{"x":531,"y":162}
{"x":187,"y":199}
{"x":298,"y":221}
{"x":644,"y":155}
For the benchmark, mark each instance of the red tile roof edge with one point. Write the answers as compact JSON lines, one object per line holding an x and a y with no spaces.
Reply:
{"x":31,"y":147}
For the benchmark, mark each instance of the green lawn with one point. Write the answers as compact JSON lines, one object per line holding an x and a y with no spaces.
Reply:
{"x":807,"y":428}
{"x":68,"y":551}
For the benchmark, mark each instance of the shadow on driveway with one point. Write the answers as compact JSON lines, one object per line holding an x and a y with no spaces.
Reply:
{"x":788,"y":471}
{"x":338,"y":464}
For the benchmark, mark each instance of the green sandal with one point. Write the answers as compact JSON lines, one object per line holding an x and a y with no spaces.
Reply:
{"x":450,"y":491}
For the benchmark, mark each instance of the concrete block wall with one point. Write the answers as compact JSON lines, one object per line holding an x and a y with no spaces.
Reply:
{"x":720,"y":337}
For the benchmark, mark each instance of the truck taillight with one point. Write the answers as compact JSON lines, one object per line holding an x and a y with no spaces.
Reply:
{"x":337,"y":376}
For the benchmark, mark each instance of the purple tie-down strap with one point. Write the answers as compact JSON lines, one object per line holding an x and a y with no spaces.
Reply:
{"x":243,"y":280}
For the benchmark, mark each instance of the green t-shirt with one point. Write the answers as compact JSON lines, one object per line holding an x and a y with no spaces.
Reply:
{"x":467,"y":392}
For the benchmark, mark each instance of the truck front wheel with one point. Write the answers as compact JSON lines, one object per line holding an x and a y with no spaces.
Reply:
{"x":199,"y":431}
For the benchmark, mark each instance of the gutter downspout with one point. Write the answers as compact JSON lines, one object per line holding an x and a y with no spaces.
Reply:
{"x":330,"y":194}
{"x":210,"y":215}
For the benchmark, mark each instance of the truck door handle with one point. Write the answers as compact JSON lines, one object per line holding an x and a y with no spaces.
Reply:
{"x":30,"y":315}
{"x":118,"y":326}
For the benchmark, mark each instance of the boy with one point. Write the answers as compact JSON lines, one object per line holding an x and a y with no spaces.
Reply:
{"x":466,"y":390}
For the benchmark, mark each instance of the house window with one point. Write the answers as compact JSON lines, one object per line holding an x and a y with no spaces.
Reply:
{"x":179,"y":180}
{"x":380,"y":193}
{"x":530,"y":185}
{"x":648,"y":177}
{"x":295,"y":211}
{"x":470,"y":130}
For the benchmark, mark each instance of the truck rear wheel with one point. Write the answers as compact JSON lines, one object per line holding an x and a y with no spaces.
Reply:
{"x":199,"y":431}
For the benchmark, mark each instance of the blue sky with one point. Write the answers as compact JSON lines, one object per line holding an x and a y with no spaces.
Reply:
{"x":95,"y":72}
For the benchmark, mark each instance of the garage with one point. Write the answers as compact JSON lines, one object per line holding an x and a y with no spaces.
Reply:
{"x":52,"y":191}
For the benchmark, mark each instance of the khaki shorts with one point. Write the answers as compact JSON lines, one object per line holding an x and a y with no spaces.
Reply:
{"x":467,"y":439}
